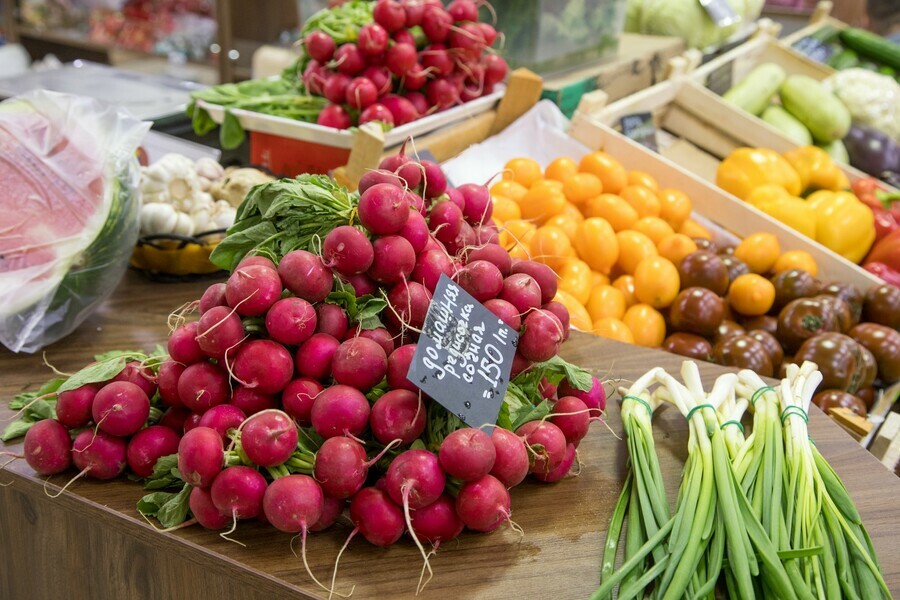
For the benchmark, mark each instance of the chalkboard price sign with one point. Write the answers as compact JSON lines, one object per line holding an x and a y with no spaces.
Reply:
{"x":464,"y":355}
{"x":640,"y":128}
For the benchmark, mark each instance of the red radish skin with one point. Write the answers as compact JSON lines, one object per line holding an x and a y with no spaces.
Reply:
{"x":542,"y":274}
{"x":99,"y":455}
{"x":336,"y":116}
{"x":376,"y":176}
{"x":341,"y":467}
{"x":546,"y":389}
{"x":251,"y":401}
{"x":167,"y":382}
{"x":314,"y":77}
{"x":372,"y":39}
{"x":483,"y":505}
{"x":495,"y":69}
{"x":376,"y":516}
{"x":415,"y":478}
{"x":219,"y":330}
{"x":487,"y":234}
{"x":359,"y":362}
{"x":192,"y":422}
{"x":141,"y":376}
{"x":505,"y":311}
{"x":562,"y":469}
{"x":490,"y":35}
{"x":415,"y":231}
{"x":256,"y":259}
{"x":291,"y":321}
{"x":434,"y":178}
{"x":200,"y":456}
{"x":381,"y":336}
{"x":376,"y":112}
{"x":360,"y":93}
{"x":511,"y":462}
{"x":562,"y":313}
{"x":542,"y":336}
{"x":594,"y":399}
{"x":398,"y":415}
{"x":48,"y":447}
{"x":335,"y":87}
{"x":394,"y":259}
{"x":340,"y":410}
{"x":403,"y":111}
{"x":383,"y":209}
{"x":465,"y":240}
{"x":269,"y":438}
{"x":571,"y":415}
{"x":522,"y":291}
{"x":183,"y":346}
{"x":404,"y":36}
{"x":437,"y":60}
{"x":206,"y":513}
{"x":332,"y":509}
{"x":361,"y":283}
{"x":252,"y":290}
{"x":223,"y":418}
{"x":467,"y":454}
{"x":304,"y":274}
{"x":519,"y":364}
{"x":389,"y":14}
{"x":437,"y":522}
{"x":174,"y":419}
{"x":398,"y":366}
{"x":463,"y":10}
{"x":430,"y":265}
{"x":202,"y":386}
{"x":407,"y":305}
{"x":264,"y":365}
{"x":298,"y":397}
{"x":319,"y":45}
{"x":149,"y":445}
{"x":212,"y":297}
{"x":456,"y":197}
{"x":467,"y":39}
{"x":120,"y":408}
{"x":494,"y":254}
{"x":314,"y":356}
{"x":347,"y":250}
{"x":73,"y":408}
{"x":400,"y":58}
{"x":441,"y":93}
{"x":293,"y":503}
{"x":331,"y":319}
{"x":479,"y":207}
{"x":547,"y":444}
{"x":481,"y":279}
{"x":349,"y":60}
{"x":415,"y":80}
{"x":436,"y":23}
{"x":238,"y":491}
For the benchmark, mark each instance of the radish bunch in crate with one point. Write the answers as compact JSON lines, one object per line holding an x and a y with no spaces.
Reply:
{"x":403,"y":60}
{"x":287,"y":400}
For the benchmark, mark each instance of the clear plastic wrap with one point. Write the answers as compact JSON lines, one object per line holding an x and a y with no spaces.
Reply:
{"x":69,"y":212}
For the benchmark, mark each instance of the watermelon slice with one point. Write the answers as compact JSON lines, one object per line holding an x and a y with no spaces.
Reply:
{"x":68,"y":212}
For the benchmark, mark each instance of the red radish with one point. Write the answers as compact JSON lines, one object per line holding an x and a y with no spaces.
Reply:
{"x":223,"y":418}
{"x":494,"y":254}
{"x":238,"y":491}
{"x":394,"y":259}
{"x":436,"y":23}
{"x":462,"y":242}
{"x":360,"y":93}
{"x":471,"y":90}
{"x":430,"y":265}
{"x":406,"y":168}
{"x":376,"y":112}
{"x":542,"y":274}
{"x":505,"y":311}
{"x":445,"y":220}
{"x":314,"y":77}
{"x":478,"y":208}
{"x":359,"y":362}
{"x":264,"y":365}
{"x":463,"y":10}
{"x":467,"y":454}
{"x":594,"y":399}
{"x":341,"y":467}
{"x":467,"y":39}
{"x":437,"y":522}
{"x":488,"y":233}
{"x":415,"y":479}
{"x":481,"y":279}
{"x":380,"y":336}
{"x":511,"y":463}
{"x":120,"y":408}
{"x":200,"y":456}
{"x":340,"y":410}
{"x":174,"y":419}
{"x":99,"y":455}
{"x":519,"y":365}
{"x":48,"y":447}
{"x":361,"y":283}
{"x":332,"y":508}
{"x":415,"y":231}
{"x":483,"y":504}
{"x":183,"y":346}
{"x":203,"y":509}
{"x":414,"y":80}
{"x":372,"y":39}
{"x":252,"y":290}
{"x":347,"y":249}
{"x":213,"y":296}
{"x":418,"y":99}
{"x":380,"y":76}
{"x":570,"y":414}
{"x":522,"y":291}
{"x":202,"y":386}
{"x":141,"y":376}
{"x":398,"y":415}
{"x":255,"y":259}
{"x":314,"y":357}
{"x":542,"y":336}
{"x":398,"y":366}
{"x":456,"y":197}
{"x":415,"y":10}
{"x":402,"y":110}
{"x":73,"y":407}
{"x":488,"y":33}
{"x":219,"y":330}
{"x":320,"y":46}
{"x":192,"y":422}
{"x":546,"y":389}
{"x":377,"y":176}
{"x":251,"y":401}
{"x":336,"y":116}
{"x":298,"y":398}
{"x":435,"y":180}
{"x":149,"y":445}
{"x":293,"y":503}
{"x":547,"y":445}
{"x":442,"y":93}
{"x":401,"y":58}
{"x":435,"y":59}
{"x":269,"y":438}
{"x":349,"y":60}
{"x":335,"y":87}
{"x":291,"y":321}
{"x":389,"y":14}
{"x":561,"y":469}
{"x":495,"y":69}
{"x":407,"y":305}
{"x":562,"y":313}
{"x":378,"y":519}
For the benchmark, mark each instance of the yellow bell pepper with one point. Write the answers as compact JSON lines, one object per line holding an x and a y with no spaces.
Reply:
{"x":746,"y":169}
{"x":767,"y":193}
{"x":816,"y":169}
{"x":843,"y":223}
{"x":792,"y":211}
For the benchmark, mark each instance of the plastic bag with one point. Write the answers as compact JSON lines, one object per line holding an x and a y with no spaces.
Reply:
{"x":69,"y":212}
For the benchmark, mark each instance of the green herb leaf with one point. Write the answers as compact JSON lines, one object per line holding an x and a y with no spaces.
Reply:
{"x":16,"y":429}
{"x":100,"y":371}
{"x":231,"y":135}
{"x":150,"y":504}
{"x":175,"y":510}
{"x":535,"y":413}
{"x":115,"y":354}
{"x":369,"y":311}
{"x":165,"y":473}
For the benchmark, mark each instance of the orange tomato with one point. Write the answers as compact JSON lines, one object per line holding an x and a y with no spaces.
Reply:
{"x":614,"y":329}
{"x":751,"y":294}
{"x":573,"y":211}
{"x":625,"y":284}
{"x":647,"y":325}
{"x":656,"y":281}
{"x":561,"y":168}
{"x":575,"y":278}
{"x":642,"y":199}
{"x":541,"y":203}
{"x":675,"y":247}
{"x":505,"y":209}
{"x":610,"y":171}
{"x":566,"y":223}
{"x":606,"y":301}
{"x":796,"y":259}
{"x":693,"y":229}
{"x":550,"y":245}
{"x":759,"y":251}
{"x":597,"y":244}
{"x":523,"y":170}
{"x":674,"y":207}
{"x":644,"y":179}
{"x":614,"y":209}
{"x":654,"y":228}
{"x":634,"y":247}
{"x":521,"y":251}
{"x":579,"y":187}
{"x":578,"y":314}
{"x":508,"y":189}
{"x":598,"y":279}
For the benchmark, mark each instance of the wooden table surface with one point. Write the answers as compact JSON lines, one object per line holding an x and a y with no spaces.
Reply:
{"x":91,"y":543}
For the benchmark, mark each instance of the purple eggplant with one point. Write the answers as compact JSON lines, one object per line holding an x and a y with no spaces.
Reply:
{"x":872,"y":151}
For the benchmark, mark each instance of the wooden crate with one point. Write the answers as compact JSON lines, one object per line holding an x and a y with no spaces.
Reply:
{"x":820,"y":18}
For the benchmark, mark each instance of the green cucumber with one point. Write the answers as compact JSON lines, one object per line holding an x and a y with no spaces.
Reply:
{"x":845,"y":59}
{"x":823,"y":114}
{"x":872,"y":46}
{"x":837,"y":151}
{"x":788,"y":125}
{"x":755,"y":91}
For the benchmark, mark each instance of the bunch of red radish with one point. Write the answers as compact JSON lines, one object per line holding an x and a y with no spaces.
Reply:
{"x":282,"y":408}
{"x":389,"y":75}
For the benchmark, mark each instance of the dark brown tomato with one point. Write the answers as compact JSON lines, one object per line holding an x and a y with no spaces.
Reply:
{"x":688,"y":344}
{"x":736,"y":267}
{"x":867,"y":395}
{"x":828,"y":399}
{"x":726,"y":250}
{"x":843,"y":315}
{"x":793,"y":284}
{"x":744,"y":352}
{"x":705,"y":244}
{"x":704,"y":269}
{"x":773,"y":347}
{"x":850,"y":294}
{"x":884,"y":344}
{"x":764,"y":322}
{"x":728,"y":328}
{"x":870,"y":368}
{"x":839,"y":359}
{"x":882,"y":306}
{"x":697,"y":310}
{"x":804,"y":318}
